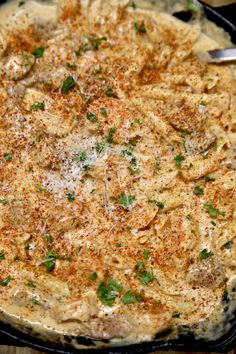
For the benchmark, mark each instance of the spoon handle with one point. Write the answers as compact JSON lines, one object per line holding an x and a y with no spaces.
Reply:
{"x":222,"y":55}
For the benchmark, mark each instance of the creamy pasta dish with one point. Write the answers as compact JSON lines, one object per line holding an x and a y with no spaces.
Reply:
{"x":117,"y":172}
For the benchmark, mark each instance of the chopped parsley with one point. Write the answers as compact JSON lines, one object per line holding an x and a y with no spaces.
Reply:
{"x":133,"y":5}
{"x":82,"y":48}
{"x":190,"y":6}
{"x":118,"y":245}
{"x":139,"y":28}
{"x":209,"y":179}
{"x":176,"y":315}
{"x":78,"y":249}
{"x":35,"y":301}
{"x":127,"y":152}
{"x":158,"y":204}
{"x":37,"y":138}
{"x":129,"y":298}
{"x":38,"y":106}
{"x":125,"y":200}
{"x":93,"y":276}
{"x":103,"y":111}
{"x":39,"y":187}
{"x":133,"y":168}
{"x":91,"y":117}
{"x":38,"y":52}
{"x":70,"y":197}
{"x":31,"y":285}
{"x":146,"y":277}
{"x":71,"y":66}
{"x":7,"y":156}
{"x":21,"y":3}
{"x":205,"y":254}
{"x":2,"y":256}
{"x":108,"y":291}
{"x":96,"y":42}
{"x":213,"y":223}
{"x":100,"y":147}
{"x":228,"y":245}
{"x":203,"y":103}
{"x":50,"y":260}
{"x":109,"y":92}
{"x":81,"y":156}
{"x":146,"y":254}
{"x":110,"y":135}
{"x":6,"y":281}
{"x":4,"y":201}
{"x":178,"y":160}
{"x":140,"y":266}
{"x":68,"y":84}
{"x":48,"y":238}
{"x":198,"y":190}
{"x":213,"y":211}
{"x":225,"y":296}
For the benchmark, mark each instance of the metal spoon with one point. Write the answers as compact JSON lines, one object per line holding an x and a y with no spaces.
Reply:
{"x":218,"y":55}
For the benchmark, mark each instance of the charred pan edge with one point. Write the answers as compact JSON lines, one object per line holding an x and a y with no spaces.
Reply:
{"x":186,"y":340}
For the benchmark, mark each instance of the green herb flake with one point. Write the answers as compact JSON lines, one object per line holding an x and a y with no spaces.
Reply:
{"x":213,"y":223}
{"x":190,"y":6}
{"x":133,"y":5}
{"x":96,"y":42}
{"x":81,"y":156}
{"x":205,"y":155}
{"x":50,"y":260}
{"x":176,"y":315}
{"x":21,"y":3}
{"x":198,"y":190}
{"x":203,"y":103}
{"x":125,"y":200}
{"x":70,"y":197}
{"x":71,"y":66}
{"x":48,"y":238}
{"x":108,"y":291}
{"x":100,"y":147}
{"x":7,"y":156}
{"x":118,"y":245}
{"x":110,"y":135}
{"x":82,"y":48}
{"x":2,"y":257}
{"x":4,"y":201}
{"x":205,"y":254}
{"x":209,"y":179}
{"x":6,"y":281}
{"x":68,"y":84}
{"x":139,"y":28}
{"x":109,"y":92}
{"x":158,"y":204}
{"x":178,"y":160}
{"x":91,"y":117}
{"x":213,"y":211}
{"x":38,"y":52}
{"x":225,"y":296}
{"x":128,"y":298}
{"x":39,"y":187}
{"x":228,"y":245}
{"x":146,"y":277}
{"x":140,"y":266}
{"x":93,"y":276}
{"x":146,"y":254}
{"x":38,"y":106}
{"x":31,"y":285}
{"x":35,"y":301}
{"x":103,"y":111}
{"x":37,"y":138}
{"x":127,"y":152}
{"x":78,"y":249}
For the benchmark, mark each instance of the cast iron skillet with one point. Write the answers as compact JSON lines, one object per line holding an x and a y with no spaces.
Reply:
{"x":224,"y":17}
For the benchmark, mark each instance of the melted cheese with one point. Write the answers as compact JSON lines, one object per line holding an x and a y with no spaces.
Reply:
{"x":112,"y":177}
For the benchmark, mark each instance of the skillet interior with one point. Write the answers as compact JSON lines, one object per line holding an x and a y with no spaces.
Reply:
{"x":223,"y":17}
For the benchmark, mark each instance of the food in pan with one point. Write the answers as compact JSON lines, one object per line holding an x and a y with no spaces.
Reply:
{"x":117,"y":172}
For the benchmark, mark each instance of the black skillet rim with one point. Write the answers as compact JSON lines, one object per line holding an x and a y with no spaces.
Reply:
{"x":10,"y":336}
